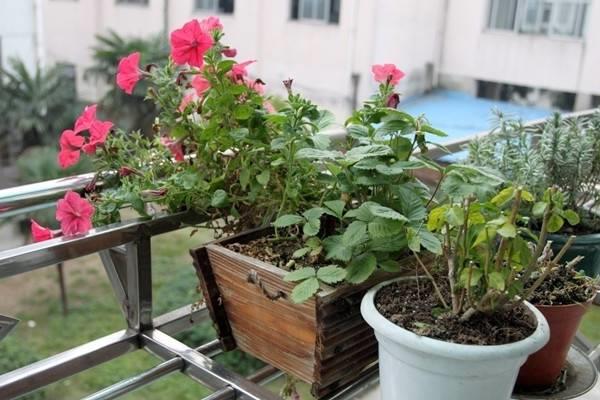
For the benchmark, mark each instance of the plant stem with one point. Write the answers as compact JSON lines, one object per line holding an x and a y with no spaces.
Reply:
{"x":435,"y":286}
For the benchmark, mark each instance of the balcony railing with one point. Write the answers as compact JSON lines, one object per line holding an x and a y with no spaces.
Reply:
{"x":124,"y":249}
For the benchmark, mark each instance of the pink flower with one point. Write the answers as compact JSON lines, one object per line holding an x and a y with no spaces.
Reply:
{"x":128,"y":72}
{"x":187,"y":99}
{"x":210,"y":24}
{"x":74,"y":214}
{"x":189,"y":44}
{"x":98,"y":133}
{"x":84,"y":121}
{"x":40,"y":233}
{"x":238,"y":71}
{"x":387,"y":73}
{"x":257,"y":85}
{"x":174,"y":147}
{"x":229,"y":52}
{"x":70,"y":147}
{"x":200,"y":84}
{"x":269,"y":107}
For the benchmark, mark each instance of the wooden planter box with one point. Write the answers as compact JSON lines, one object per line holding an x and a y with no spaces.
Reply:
{"x":324,"y":341}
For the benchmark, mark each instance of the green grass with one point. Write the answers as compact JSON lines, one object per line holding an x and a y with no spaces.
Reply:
{"x":591,"y":325}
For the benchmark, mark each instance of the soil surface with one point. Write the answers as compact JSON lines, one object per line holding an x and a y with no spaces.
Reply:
{"x":562,"y":287}
{"x":275,"y":251}
{"x":414,"y":306}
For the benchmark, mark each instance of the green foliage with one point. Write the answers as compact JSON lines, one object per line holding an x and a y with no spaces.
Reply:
{"x":15,"y":355}
{"x":564,"y":153}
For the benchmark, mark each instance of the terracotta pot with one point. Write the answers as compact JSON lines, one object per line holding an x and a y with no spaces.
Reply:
{"x":543,"y":368}
{"x":587,"y":246}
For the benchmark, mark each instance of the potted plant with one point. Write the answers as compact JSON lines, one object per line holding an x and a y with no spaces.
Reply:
{"x":562,"y":153}
{"x":467,"y":330}
{"x":290,"y":294}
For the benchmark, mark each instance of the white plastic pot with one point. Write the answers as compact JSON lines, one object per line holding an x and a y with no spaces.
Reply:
{"x":413,"y":367}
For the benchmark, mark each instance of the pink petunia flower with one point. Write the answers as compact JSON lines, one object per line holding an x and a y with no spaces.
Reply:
{"x":98,"y":132}
{"x":187,"y":99}
{"x":174,"y":147}
{"x":257,"y":85}
{"x":210,"y":24}
{"x":387,"y":73}
{"x":239,"y":71}
{"x":70,"y":147}
{"x":229,"y":52}
{"x":128,"y":72}
{"x":189,"y":44}
{"x":40,"y":233}
{"x":201,"y":85}
{"x":269,"y":107}
{"x":74,"y":214}
{"x":84,"y":121}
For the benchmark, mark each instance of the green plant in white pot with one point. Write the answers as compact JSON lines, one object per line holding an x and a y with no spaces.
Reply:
{"x":465,"y":329}
{"x":564,"y":153}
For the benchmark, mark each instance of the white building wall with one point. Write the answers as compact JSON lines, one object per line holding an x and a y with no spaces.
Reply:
{"x":18,"y":32}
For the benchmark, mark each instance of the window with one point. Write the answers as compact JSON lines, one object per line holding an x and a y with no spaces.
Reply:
{"x":137,"y":2}
{"x":541,"y":17}
{"x":221,"y":6}
{"x":318,"y":10}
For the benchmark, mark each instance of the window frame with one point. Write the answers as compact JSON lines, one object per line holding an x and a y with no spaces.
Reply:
{"x":135,"y":3}
{"x":329,"y":18}
{"x":215,"y":9}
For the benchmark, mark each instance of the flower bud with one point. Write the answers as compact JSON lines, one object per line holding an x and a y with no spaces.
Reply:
{"x":393,"y":100}
{"x":229,"y":52}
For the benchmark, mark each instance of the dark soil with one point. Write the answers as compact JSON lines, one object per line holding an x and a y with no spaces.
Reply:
{"x":562,"y":287}
{"x":275,"y":251}
{"x":416,"y":307}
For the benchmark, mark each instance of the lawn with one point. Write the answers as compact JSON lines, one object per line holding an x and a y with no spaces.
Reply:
{"x":94,"y":312}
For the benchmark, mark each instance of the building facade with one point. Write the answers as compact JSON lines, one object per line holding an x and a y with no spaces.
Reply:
{"x":529,"y":50}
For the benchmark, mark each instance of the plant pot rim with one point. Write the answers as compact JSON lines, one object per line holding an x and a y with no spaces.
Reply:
{"x":559,"y":306}
{"x":440,"y":348}
{"x":589,"y":238}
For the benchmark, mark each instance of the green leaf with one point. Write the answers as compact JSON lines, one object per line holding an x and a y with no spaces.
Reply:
{"x":316,"y":154}
{"x":321,"y":141}
{"x":331,"y":274}
{"x":496,"y":281}
{"x":355,"y":233}
{"x":455,"y":216}
{"x":485,"y":234}
{"x":571,"y":216}
{"x":555,"y":223}
{"x":239,"y":133}
{"x":507,"y":230}
{"x":476,"y":275}
{"x":433,"y":131}
{"x":381,"y":228}
{"x":414,"y":240}
{"x":539,"y":208}
{"x":313,"y":213}
{"x":390,"y":265}
{"x":358,"y":153}
{"x":527,"y":196}
{"x":305,"y":290}
{"x":263,"y":177}
{"x":361,"y":268}
{"x":337,"y":206}
{"x":219,"y":198}
{"x":437,"y":218}
{"x":301,"y":252}
{"x":335,"y":249}
{"x":299,"y":274}
{"x":242,"y":112}
{"x":430,"y":241}
{"x":312,"y":227}
{"x":385,"y":212}
{"x":244,"y":178}
{"x":361,"y":213}
{"x":504,"y":196}
{"x":288,"y":220}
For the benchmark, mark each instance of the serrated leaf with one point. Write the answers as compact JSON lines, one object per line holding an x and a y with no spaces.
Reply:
{"x":219,"y":198}
{"x":321,"y":142}
{"x":390,"y":265}
{"x":355,"y":233}
{"x":555,"y":223}
{"x":331,"y":274}
{"x":539,"y":208}
{"x":313,"y":242}
{"x":337,"y":206}
{"x":313,"y":213}
{"x":504,"y":196}
{"x":433,"y":131}
{"x":485,"y":234}
{"x":312,"y":227}
{"x":301,"y":252}
{"x":414,"y":240}
{"x":571,"y":216}
{"x":476,"y":275}
{"x":361,"y":213}
{"x":437,"y":218}
{"x":305,"y":290}
{"x":527,"y":196}
{"x":299,"y":274}
{"x":358,"y":153}
{"x":380,"y":228}
{"x":386,"y":212}
{"x":361,"y":268}
{"x":244,"y":178}
{"x":455,"y":216}
{"x":496,"y":281}
{"x":288,"y":220}
{"x":242,"y":112}
{"x":263,"y":177}
{"x":430,"y":241}
{"x":507,"y":230}
{"x":335,"y":248}
{"x":317,"y":154}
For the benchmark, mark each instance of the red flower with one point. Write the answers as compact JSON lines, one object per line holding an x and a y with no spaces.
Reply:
{"x":189,"y":44}
{"x":128,"y":72}
{"x":229,"y":52}
{"x":70,"y":146}
{"x":238,"y":71}
{"x":210,"y":24}
{"x":201,"y":85}
{"x":174,"y":147}
{"x":84,"y":121}
{"x":40,"y":233}
{"x":98,"y":133}
{"x":74,"y":214}
{"x":387,"y":73}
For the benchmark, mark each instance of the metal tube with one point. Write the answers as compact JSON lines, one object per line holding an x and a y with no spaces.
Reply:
{"x":180,"y":319}
{"x":227,"y":393}
{"x":139,"y":284}
{"x":210,"y":349}
{"x":70,"y":362}
{"x":138,"y":381}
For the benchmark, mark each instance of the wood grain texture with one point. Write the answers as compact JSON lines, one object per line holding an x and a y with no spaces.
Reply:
{"x":323,"y":341}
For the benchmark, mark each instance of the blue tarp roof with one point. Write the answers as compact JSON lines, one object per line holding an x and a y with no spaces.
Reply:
{"x":461,"y":115}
